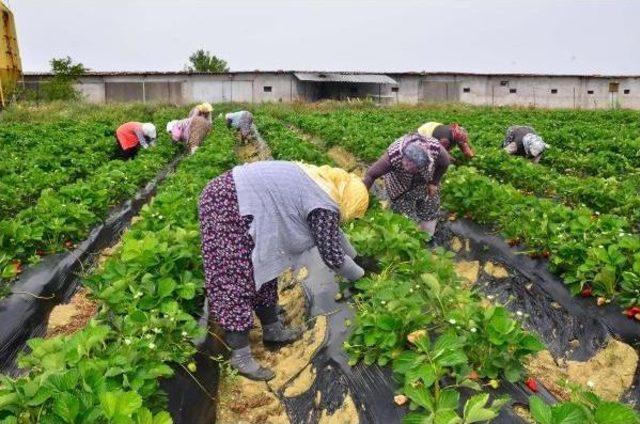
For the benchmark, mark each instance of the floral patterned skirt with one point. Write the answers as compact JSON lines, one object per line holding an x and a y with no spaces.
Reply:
{"x":226,"y":256}
{"x":417,"y":205}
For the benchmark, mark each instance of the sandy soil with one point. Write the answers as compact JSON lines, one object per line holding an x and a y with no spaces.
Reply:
{"x":70,"y":317}
{"x":608,"y":374}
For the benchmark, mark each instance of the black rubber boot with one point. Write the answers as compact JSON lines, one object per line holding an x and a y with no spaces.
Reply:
{"x":274,"y":332}
{"x":242,"y":359}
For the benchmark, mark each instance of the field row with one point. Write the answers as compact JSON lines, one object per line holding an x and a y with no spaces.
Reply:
{"x":584,"y":247}
{"x":68,"y":182}
{"x":149,"y":291}
{"x":427,"y":326}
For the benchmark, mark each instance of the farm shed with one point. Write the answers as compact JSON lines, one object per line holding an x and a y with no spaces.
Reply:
{"x":529,"y":90}
{"x":342,"y":86}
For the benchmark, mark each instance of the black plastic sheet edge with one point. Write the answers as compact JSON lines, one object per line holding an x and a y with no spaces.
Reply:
{"x":627,"y":330}
{"x":24,"y":313}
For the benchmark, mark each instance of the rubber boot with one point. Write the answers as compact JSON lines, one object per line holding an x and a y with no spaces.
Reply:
{"x":242,"y":359}
{"x":274,"y":332}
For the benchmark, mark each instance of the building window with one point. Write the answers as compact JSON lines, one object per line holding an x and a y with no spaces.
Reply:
{"x":627,"y":91}
{"x":504,"y":83}
{"x":554,"y":91}
{"x":589,"y":91}
{"x":394,"y":89}
{"x":466,"y":90}
{"x":267,"y":89}
{"x":513,"y":90}
{"x":613,"y":87}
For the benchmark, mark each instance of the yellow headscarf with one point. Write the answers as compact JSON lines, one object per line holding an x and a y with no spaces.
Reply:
{"x":346,"y":189}
{"x":205,"y":108}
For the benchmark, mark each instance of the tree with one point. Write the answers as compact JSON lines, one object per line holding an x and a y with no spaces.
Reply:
{"x":65,"y":74}
{"x":203,"y":61}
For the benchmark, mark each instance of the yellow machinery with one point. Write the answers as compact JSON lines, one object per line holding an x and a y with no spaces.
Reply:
{"x":10,"y":65}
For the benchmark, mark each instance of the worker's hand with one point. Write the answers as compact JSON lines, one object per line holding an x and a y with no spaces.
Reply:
{"x":350,"y":270}
{"x":432,"y":190}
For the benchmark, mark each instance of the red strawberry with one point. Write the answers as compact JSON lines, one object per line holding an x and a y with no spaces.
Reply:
{"x":68,"y":244}
{"x":632,"y":312}
{"x":586,"y":292}
{"x":532,"y":384}
{"x":41,"y":252}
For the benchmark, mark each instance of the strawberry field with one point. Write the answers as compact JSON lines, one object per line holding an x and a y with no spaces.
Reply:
{"x":449,"y":349}
{"x":59,"y":178}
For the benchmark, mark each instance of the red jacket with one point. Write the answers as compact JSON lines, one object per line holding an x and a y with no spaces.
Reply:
{"x":129,"y":134}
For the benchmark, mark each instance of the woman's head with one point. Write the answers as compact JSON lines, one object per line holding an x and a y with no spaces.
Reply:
{"x":171,"y":124}
{"x":415,"y":158}
{"x":461,"y":138}
{"x":204,"y":108}
{"x":149,"y":131}
{"x":344,"y":188}
{"x":534,"y":144}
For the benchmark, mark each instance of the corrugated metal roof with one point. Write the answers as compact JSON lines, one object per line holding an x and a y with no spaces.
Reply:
{"x":344,"y":77}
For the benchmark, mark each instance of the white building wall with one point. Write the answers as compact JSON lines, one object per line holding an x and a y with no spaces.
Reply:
{"x":586,"y":92}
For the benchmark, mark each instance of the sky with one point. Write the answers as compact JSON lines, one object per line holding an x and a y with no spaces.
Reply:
{"x":483,"y":36}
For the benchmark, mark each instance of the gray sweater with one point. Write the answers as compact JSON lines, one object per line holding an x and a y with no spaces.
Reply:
{"x":279,"y":195}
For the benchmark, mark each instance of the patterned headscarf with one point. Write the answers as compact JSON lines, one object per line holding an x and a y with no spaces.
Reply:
{"x":461,"y":138}
{"x":533,"y":144}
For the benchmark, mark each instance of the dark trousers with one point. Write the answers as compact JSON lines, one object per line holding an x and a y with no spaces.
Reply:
{"x":126,"y":154}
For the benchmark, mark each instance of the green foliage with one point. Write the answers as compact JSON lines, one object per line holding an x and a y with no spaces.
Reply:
{"x":418,"y":291}
{"x":590,"y":176}
{"x":583,"y":408}
{"x":65,"y":74}
{"x":203,"y":61}
{"x":60,"y":178}
{"x":150,"y":292}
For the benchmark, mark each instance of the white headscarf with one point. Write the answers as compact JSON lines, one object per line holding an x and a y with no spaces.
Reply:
{"x":149,"y":130}
{"x":170,"y":125}
{"x":533,"y":144}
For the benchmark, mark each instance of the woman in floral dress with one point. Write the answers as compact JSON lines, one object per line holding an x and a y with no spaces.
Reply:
{"x":255,"y":220}
{"x":412,"y":168}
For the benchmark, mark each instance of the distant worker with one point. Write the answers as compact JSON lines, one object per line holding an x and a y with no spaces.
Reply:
{"x":204,"y":110}
{"x":523,"y":141}
{"x":255,"y":220}
{"x":190,"y":131}
{"x":412,"y":168}
{"x":449,"y":136}
{"x":131,"y":135}
{"x":241,"y":121}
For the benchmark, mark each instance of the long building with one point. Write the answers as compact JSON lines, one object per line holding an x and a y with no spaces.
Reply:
{"x":531,"y":90}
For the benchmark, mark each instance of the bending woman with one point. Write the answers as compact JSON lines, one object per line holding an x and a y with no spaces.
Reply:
{"x":255,"y":220}
{"x":190,"y":131}
{"x":412,"y":168}
{"x":449,"y":136}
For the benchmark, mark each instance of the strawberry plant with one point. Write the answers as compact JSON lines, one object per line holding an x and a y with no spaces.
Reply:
{"x":150,"y":293}
{"x":52,"y":213}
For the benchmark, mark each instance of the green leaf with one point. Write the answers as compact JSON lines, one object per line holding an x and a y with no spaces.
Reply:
{"x":187,"y":291}
{"x":568,"y":413}
{"x":162,"y":418}
{"x":166,"y":287}
{"x":540,"y":410}
{"x":66,"y":406}
{"x":420,"y":396}
{"x":446,"y":416}
{"x":475,"y":411}
{"x":448,"y":399}
{"x":615,"y":413}
{"x":119,"y":403}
